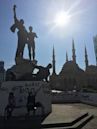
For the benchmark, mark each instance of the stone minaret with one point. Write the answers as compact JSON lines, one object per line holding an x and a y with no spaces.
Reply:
{"x":66,"y":57}
{"x":86,"y":57}
{"x":53,"y":62}
{"x":73,"y":52}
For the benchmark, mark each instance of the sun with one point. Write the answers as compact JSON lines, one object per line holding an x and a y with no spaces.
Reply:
{"x":61,"y":19}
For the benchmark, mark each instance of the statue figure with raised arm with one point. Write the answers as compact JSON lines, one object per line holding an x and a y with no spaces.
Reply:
{"x":22,"y":34}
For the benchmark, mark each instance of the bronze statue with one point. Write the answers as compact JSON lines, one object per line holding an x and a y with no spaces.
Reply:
{"x":31,"y":43}
{"x":42,"y":75}
{"x":23,"y":70}
{"x":22,"y":33}
{"x":43,"y":72}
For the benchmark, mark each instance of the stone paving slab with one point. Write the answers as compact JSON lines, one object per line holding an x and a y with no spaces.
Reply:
{"x":69,"y":112}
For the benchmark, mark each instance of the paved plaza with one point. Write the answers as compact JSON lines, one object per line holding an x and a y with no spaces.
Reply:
{"x":62,"y":113}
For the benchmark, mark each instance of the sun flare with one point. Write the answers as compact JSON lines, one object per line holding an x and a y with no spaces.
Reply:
{"x":62,"y":19}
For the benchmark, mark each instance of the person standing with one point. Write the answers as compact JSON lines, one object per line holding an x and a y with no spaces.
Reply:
{"x":10,"y":106}
{"x":32,"y":105}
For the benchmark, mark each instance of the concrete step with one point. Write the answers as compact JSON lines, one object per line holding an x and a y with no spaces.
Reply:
{"x":33,"y":124}
{"x":69,"y":124}
{"x":80,"y":124}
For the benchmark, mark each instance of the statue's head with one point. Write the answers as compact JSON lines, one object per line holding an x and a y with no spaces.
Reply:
{"x":49,"y":66}
{"x":11,"y":94}
{"x":30,"y":28}
{"x":30,"y":93}
{"x":22,"y":21}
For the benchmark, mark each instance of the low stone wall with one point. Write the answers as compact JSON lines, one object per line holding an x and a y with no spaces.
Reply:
{"x":65,"y":97}
{"x":89,"y":98}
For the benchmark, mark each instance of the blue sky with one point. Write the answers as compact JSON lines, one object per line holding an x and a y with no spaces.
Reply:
{"x":40,"y":13}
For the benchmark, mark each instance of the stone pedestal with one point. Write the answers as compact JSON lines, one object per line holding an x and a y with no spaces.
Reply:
{"x":21,"y":90}
{"x":22,"y":67}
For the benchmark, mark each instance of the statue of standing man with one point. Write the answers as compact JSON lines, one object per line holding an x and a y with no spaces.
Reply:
{"x":22,"y":34}
{"x":31,"y":43}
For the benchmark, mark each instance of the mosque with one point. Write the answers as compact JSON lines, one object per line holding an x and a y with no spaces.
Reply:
{"x":72,"y":77}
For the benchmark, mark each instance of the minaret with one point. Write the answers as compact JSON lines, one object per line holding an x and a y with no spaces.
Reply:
{"x":53,"y":62}
{"x":86,"y":57}
{"x":66,"y":57}
{"x":73,"y":51}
